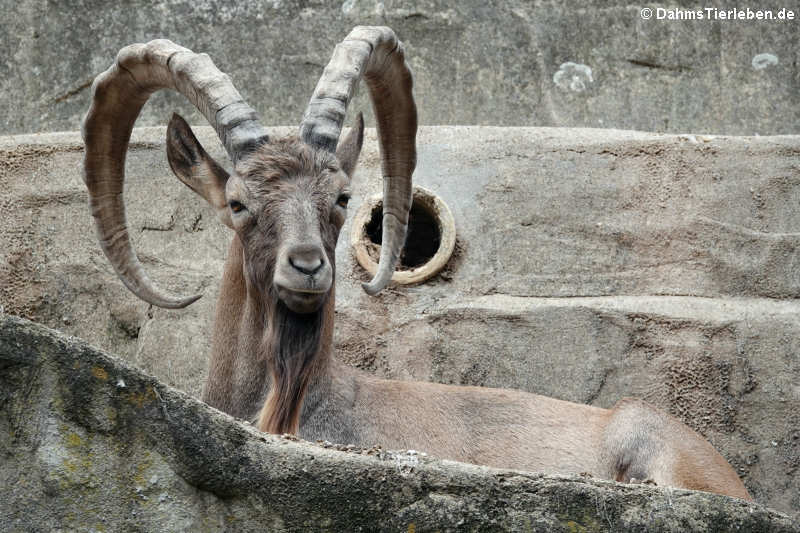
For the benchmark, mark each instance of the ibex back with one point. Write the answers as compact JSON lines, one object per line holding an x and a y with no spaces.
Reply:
{"x":286,"y":201}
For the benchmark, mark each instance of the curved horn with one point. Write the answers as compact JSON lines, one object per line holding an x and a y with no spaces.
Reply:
{"x":118,"y":95}
{"x":377,"y":55}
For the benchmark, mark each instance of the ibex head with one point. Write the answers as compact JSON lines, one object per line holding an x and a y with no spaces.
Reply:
{"x":286,"y":202}
{"x":285,"y":199}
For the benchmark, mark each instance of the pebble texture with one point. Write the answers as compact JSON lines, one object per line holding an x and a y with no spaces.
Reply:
{"x":91,"y":444}
{"x":514,"y":63}
{"x":591,"y":265}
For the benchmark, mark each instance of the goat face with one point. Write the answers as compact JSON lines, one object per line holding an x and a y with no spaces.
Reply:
{"x":285,"y":200}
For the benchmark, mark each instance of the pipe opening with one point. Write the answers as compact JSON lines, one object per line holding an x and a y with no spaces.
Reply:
{"x":423,"y":239}
{"x":430,"y":240}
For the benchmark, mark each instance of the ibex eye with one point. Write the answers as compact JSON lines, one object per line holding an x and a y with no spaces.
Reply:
{"x":236,"y":206}
{"x":342,"y":200}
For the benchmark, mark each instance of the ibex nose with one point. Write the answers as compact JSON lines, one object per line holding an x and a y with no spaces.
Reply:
{"x":306,"y":259}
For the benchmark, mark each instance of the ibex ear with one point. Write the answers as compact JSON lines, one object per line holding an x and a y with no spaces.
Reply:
{"x":350,"y":147}
{"x":193,"y":166}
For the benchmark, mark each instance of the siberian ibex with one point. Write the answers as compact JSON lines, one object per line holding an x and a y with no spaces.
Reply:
{"x":286,"y":201}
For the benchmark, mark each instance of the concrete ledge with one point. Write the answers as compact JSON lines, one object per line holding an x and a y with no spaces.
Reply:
{"x":89,"y":443}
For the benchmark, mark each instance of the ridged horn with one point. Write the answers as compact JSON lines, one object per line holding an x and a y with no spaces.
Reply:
{"x":375,"y":54}
{"x":118,"y":95}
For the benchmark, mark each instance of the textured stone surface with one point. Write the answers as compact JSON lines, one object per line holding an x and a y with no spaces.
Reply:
{"x":591,"y":265}
{"x":513,"y":63}
{"x":90,"y":444}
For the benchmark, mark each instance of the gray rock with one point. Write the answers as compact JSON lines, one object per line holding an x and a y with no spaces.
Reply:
{"x":501,"y":63}
{"x":591,"y":265}
{"x":78,"y":453}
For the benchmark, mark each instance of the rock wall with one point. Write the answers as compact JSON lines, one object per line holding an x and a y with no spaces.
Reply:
{"x":513,"y":63}
{"x":91,"y":444}
{"x":591,"y":265}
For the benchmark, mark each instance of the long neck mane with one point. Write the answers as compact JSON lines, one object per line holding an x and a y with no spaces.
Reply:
{"x":298,"y":350}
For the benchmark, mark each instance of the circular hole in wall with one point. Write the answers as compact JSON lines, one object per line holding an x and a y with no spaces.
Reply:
{"x":429,"y":243}
{"x":423,"y":240}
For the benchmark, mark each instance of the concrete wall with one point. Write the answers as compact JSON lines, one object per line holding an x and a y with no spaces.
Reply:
{"x":516,"y":63}
{"x":591,"y":265}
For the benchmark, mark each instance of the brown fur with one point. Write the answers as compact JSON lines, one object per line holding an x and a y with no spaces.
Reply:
{"x":274,"y":366}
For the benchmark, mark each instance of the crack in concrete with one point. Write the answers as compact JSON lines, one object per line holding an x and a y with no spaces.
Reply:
{"x":651,"y":64}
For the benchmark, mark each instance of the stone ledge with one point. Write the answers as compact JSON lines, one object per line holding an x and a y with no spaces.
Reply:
{"x":91,"y":443}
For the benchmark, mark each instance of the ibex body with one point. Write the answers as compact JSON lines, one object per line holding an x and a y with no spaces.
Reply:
{"x":286,"y":201}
